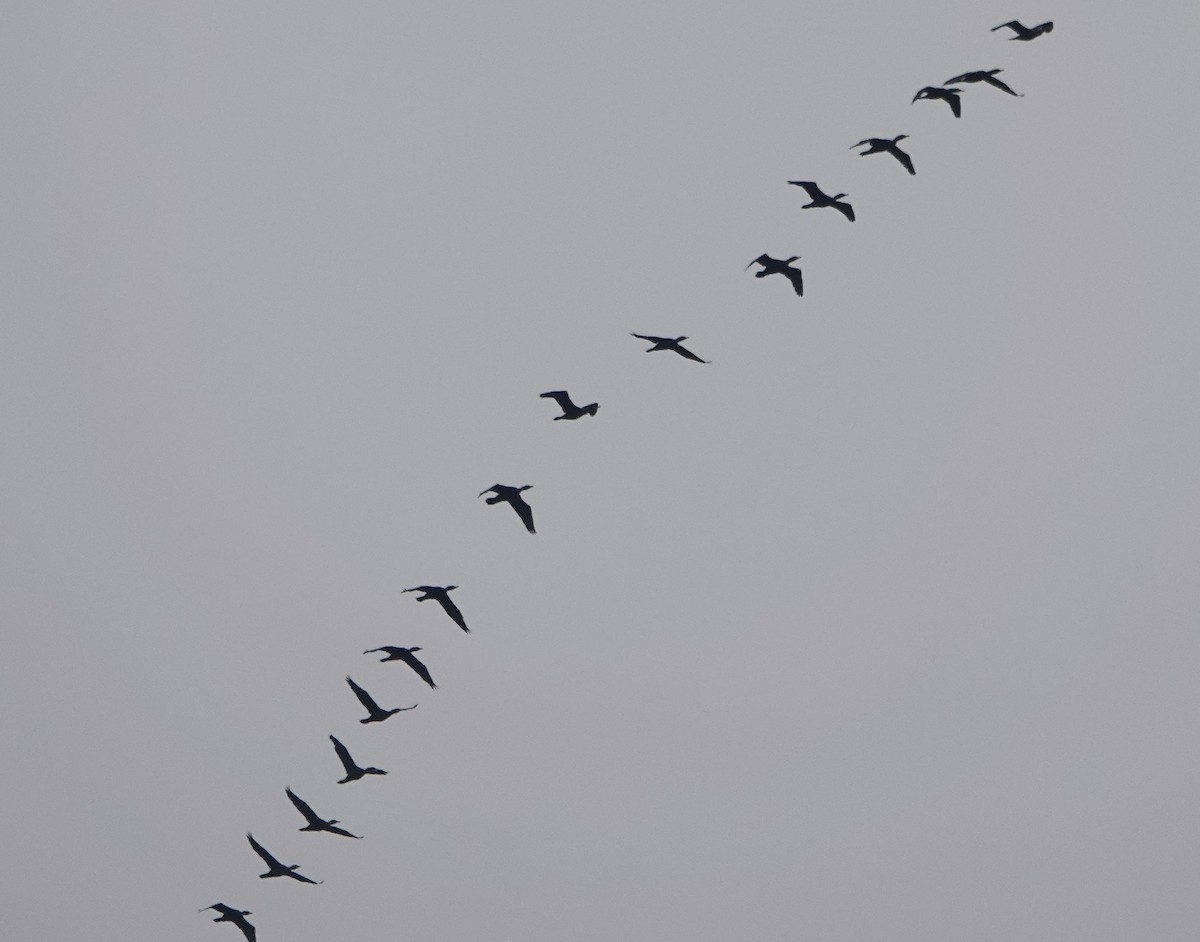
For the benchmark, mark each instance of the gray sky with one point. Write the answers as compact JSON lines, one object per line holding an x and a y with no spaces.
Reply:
{"x":880,"y":627}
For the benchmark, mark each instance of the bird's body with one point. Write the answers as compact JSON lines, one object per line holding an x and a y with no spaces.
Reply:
{"x":570,"y":410}
{"x":670,"y":343}
{"x":274,"y":867}
{"x":948,"y":95}
{"x":819,"y":199}
{"x":1025,"y":33}
{"x":375,"y":713}
{"x":353,"y":770}
{"x":512,"y":496}
{"x":441,"y":593}
{"x":406,"y":655}
{"x":780,"y":266}
{"x":236,"y":916}
{"x":887,"y":145}
{"x":315,"y":821}
{"x":987,"y":76}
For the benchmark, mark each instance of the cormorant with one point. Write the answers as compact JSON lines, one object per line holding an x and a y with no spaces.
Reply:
{"x":353,"y":771}
{"x":506,"y":492}
{"x":442,"y":594}
{"x":570,"y":410}
{"x":315,"y":821}
{"x":668,"y":343}
{"x":406,"y":655}
{"x":988,"y":76}
{"x":275,"y":868}
{"x":886,"y":145}
{"x":780,"y":266}
{"x":1025,"y":33}
{"x":948,"y":95}
{"x":377,"y":714}
{"x":236,"y":916}
{"x":820,"y":199}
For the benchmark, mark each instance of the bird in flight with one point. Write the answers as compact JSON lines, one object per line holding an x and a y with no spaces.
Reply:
{"x":820,"y":199}
{"x":376,"y":713}
{"x":512,"y":495}
{"x":406,"y":655}
{"x":984,"y":75}
{"x":780,"y":266}
{"x":275,"y":868}
{"x":948,"y":95}
{"x":669,"y":343}
{"x":353,"y":770}
{"x":236,"y":916}
{"x":442,"y":594}
{"x":1025,"y":33}
{"x":887,"y":145}
{"x":570,"y":410}
{"x":315,"y":821}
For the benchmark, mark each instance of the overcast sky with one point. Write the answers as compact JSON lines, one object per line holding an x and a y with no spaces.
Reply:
{"x":881,"y":627}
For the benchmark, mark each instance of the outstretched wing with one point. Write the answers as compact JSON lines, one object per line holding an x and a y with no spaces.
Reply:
{"x":265,"y":854}
{"x":660,"y":339}
{"x":453,"y":612}
{"x":562,"y":398}
{"x":1011,"y":24}
{"x":344,"y":754}
{"x":904,"y":159}
{"x":302,"y":878}
{"x":955,"y":105}
{"x":302,"y":806}
{"x":763,"y":259}
{"x":364,"y":698}
{"x":992,"y":80}
{"x":796,"y":278}
{"x":813,"y":191}
{"x":525,"y":512}
{"x":421,"y":669}
{"x":247,"y":930}
{"x":685,"y":352}
{"x":844,"y":208}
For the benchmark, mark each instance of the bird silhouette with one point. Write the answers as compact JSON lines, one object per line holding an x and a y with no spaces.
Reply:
{"x":274,"y":867}
{"x":570,"y":410}
{"x":353,"y":770}
{"x":987,"y":76}
{"x":236,"y":916}
{"x":948,"y":95}
{"x":887,"y":145}
{"x":820,"y":199}
{"x":512,"y":495}
{"x":780,"y":266}
{"x":406,"y":655}
{"x":442,"y":594}
{"x":315,"y":821}
{"x":376,"y":714}
{"x":1025,"y":33}
{"x":670,"y":343}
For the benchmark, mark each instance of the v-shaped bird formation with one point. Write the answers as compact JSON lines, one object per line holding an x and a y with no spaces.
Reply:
{"x":950,"y":92}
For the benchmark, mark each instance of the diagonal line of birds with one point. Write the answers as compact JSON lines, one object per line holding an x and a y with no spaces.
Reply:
{"x":950,"y":93}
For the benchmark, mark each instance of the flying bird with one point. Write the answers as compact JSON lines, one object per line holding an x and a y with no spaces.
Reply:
{"x":376,"y":714}
{"x":353,"y":770}
{"x":275,"y":868}
{"x":512,"y":495}
{"x":236,"y":916}
{"x":820,"y":199}
{"x":315,"y":821}
{"x":948,"y":95}
{"x":442,"y":594}
{"x":570,"y":410}
{"x":887,"y":145}
{"x":988,"y":76}
{"x":1025,"y":33}
{"x":780,"y":266}
{"x":668,"y":343}
{"x":406,"y":655}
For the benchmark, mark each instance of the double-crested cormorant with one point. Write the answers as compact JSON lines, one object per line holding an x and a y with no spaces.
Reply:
{"x":948,"y":95}
{"x":670,"y":343}
{"x":887,"y":145}
{"x":376,"y":713}
{"x":406,"y":655}
{"x":275,"y":868}
{"x":315,"y":821}
{"x":353,"y":770}
{"x":512,"y":495}
{"x":780,"y":266}
{"x":570,"y":410}
{"x":1025,"y":33}
{"x":442,"y":594}
{"x":984,"y":75}
{"x":236,"y":916}
{"x":820,"y":199}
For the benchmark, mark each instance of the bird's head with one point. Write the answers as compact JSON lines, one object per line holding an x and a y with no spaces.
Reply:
{"x":411,"y":650}
{"x":448,"y":588}
{"x":899,"y":137}
{"x":794,"y":258}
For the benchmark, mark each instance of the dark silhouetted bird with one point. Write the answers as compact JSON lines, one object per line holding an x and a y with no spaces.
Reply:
{"x":820,"y":199}
{"x":669,"y":343}
{"x":236,"y":916}
{"x":442,"y":594}
{"x":406,"y":655}
{"x":512,"y":496}
{"x":1025,"y":33}
{"x":887,"y":145}
{"x":780,"y":266}
{"x":570,"y":410}
{"x":376,"y":714}
{"x":988,"y":76}
{"x":353,"y":770}
{"x":315,"y":821}
{"x":275,"y":868}
{"x":948,"y":95}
